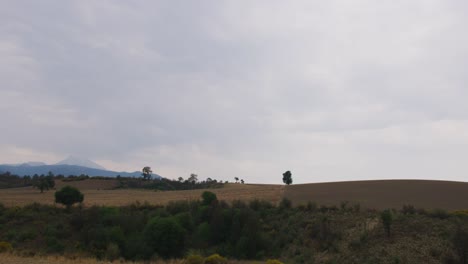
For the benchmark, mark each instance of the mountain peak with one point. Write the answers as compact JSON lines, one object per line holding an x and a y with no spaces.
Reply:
{"x":77,"y":161}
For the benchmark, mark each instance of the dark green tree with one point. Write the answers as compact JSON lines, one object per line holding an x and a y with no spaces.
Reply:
{"x":208,"y":198}
{"x":44,"y":182}
{"x":165,"y":236}
{"x":287,"y":177}
{"x":68,"y":196}
{"x":146,"y":173}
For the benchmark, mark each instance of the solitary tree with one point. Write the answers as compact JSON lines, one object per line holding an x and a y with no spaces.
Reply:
{"x":68,"y":196}
{"x":287,"y":177}
{"x":146,"y":173}
{"x":242,"y":181}
{"x":236,"y":178}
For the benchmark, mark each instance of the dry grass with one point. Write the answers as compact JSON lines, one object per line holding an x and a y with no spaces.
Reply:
{"x":384,"y":194}
{"x":93,"y":196}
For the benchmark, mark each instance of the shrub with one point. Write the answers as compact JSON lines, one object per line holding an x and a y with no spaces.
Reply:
{"x":68,"y":195}
{"x":112,"y":251}
{"x":5,"y":246}
{"x":273,"y":261}
{"x":439,"y":213}
{"x":215,"y":259}
{"x":208,"y":198}
{"x":460,"y":243}
{"x":165,"y":236}
{"x":311,"y":206}
{"x":408,"y":209}
{"x":387,"y":220}
{"x":194,"y":259}
{"x":285,"y":204}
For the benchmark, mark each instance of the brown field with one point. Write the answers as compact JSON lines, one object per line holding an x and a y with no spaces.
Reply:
{"x":370,"y":194}
{"x":98,"y":192}
{"x":384,"y":194}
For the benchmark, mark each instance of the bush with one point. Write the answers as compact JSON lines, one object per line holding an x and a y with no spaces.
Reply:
{"x":408,"y":209}
{"x":68,"y":195}
{"x":112,"y":252}
{"x":208,"y":198}
{"x":460,"y":243}
{"x":387,"y":220}
{"x":215,"y":259}
{"x":194,"y":259}
{"x":285,"y":204}
{"x":5,"y":246}
{"x":165,"y":236}
{"x":439,"y":213}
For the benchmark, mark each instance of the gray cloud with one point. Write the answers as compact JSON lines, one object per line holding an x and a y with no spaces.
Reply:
{"x":330,"y":90}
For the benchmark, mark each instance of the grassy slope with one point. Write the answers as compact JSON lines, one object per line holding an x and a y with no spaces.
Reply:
{"x":97,"y":192}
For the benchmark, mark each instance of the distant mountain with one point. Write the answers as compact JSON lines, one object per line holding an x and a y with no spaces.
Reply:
{"x":25,"y":169}
{"x":30,"y":163}
{"x":72,"y":160}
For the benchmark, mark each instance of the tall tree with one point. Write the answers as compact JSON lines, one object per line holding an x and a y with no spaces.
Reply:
{"x":146,"y":173}
{"x":287,"y":177}
{"x":193,"y":178}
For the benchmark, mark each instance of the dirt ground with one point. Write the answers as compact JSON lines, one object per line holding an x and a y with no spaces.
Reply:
{"x":384,"y":194}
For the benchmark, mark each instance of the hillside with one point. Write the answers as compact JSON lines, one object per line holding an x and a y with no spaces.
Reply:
{"x":64,"y":169}
{"x":384,"y":193}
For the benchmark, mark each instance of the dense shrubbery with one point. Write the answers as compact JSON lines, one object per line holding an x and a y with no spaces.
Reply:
{"x":240,"y":230}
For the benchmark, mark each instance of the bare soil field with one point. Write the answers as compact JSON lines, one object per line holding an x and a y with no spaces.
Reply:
{"x":104,"y":196}
{"x":384,"y":194}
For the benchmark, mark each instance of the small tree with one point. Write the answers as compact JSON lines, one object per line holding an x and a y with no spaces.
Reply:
{"x":208,"y":198}
{"x":44,"y":182}
{"x":287,"y":177}
{"x":193,"y":178}
{"x":181,"y":179}
{"x":242,"y":181}
{"x":146,"y":173}
{"x":387,"y":220}
{"x":68,"y":196}
{"x":237,"y":179}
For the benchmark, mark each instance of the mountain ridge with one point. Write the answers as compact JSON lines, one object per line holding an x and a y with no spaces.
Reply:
{"x":66,"y":170}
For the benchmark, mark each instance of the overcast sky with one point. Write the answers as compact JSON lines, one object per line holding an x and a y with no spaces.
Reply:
{"x":331,"y":90}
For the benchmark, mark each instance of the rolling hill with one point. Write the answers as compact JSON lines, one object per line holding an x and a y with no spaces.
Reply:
{"x":381,"y":194}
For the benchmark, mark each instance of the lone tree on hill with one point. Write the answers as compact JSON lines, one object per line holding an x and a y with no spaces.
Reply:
{"x":146,"y":173}
{"x":287,"y":177}
{"x":68,"y":196}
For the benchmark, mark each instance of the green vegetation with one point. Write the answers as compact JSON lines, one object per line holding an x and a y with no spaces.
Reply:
{"x":387,"y":220}
{"x":258,"y":230}
{"x":68,"y":196}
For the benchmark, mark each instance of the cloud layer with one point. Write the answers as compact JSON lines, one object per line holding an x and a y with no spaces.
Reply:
{"x":331,"y":90}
